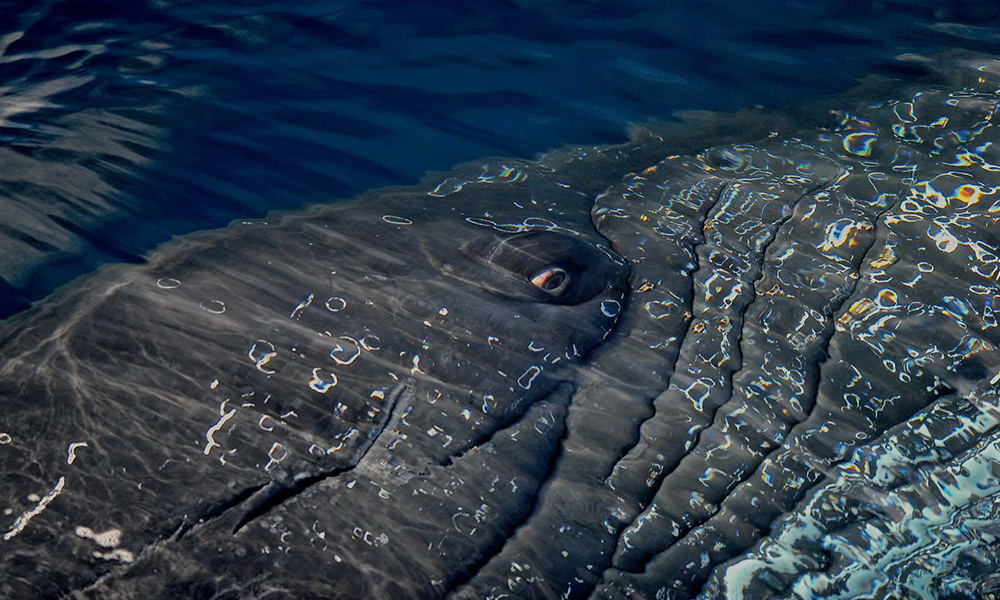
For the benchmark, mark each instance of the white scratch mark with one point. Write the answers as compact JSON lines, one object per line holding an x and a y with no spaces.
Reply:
{"x":71,"y":451}
{"x":210,"y":434}
{"x":28,"y":515}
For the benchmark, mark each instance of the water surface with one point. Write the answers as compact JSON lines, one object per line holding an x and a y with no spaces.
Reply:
{"x":125,"y":123}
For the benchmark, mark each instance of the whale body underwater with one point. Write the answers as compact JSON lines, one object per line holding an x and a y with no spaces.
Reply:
{"x":765,"y":369}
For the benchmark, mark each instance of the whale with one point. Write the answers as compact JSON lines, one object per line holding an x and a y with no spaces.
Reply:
{"x":764,"y":367}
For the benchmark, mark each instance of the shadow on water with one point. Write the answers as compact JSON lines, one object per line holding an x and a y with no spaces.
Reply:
{"x":123,"y":124}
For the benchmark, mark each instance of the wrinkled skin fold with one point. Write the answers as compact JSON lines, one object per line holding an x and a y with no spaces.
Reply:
{"x":766,"y":369}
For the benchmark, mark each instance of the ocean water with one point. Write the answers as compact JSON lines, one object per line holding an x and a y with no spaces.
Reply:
{"x":123,"y":124}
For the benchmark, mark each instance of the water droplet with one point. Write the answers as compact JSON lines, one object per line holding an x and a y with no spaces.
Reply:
{"x":216,"y":307}
{"x":335,"y":304}
{"x":321,"y":384}
{"x":370,"y":343}
{"x":168,"y":283}
{"x":611,"y":308}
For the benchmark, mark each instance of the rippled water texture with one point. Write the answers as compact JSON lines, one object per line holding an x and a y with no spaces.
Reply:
{"x":125,"y":123}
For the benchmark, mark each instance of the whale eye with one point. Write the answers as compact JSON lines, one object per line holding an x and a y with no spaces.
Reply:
{"x":537,"y":266}
{"x":551,"y":280}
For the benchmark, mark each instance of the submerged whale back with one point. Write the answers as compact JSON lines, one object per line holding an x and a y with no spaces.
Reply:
{"x":768,"y":368}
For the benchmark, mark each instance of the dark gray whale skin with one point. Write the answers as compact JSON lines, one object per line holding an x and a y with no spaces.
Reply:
{"x":763,"y":369}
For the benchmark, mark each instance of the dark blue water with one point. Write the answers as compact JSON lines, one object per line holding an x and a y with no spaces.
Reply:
{"x":125,"y":123}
